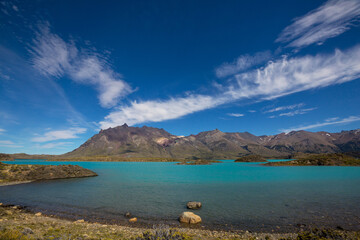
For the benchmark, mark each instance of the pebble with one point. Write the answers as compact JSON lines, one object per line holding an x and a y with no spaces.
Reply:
{"x":27,"y":231}
{"x":8,"y":212}
{"x":132,"y":220}
{"x":38,"y":214}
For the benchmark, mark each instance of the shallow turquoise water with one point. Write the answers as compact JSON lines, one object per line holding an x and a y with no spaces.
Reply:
{"x":234,"y":195}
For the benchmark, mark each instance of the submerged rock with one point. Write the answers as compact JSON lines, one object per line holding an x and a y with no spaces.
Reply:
{"x":189,"y":217}
{"x":193,"y":205}
{"x":127,"y":214}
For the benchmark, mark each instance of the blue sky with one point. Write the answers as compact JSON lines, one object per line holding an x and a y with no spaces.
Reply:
{"x":70,"y":68}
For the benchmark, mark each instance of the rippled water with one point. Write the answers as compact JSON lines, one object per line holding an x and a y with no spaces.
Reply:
{"x":234,"y":195}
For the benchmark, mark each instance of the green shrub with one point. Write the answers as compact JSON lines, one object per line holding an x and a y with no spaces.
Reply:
{"x":163,"y":232}
{"x":322,"y":234}
{"x":10,"y":234}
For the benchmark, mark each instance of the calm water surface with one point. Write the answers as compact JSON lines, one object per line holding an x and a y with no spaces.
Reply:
{"x":234,"y":195}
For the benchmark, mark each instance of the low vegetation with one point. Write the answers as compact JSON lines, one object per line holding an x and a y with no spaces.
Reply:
{"x":20,"y":173}
{"x":5,"y":157}
{"x":324,"y":234}
{"x":329,"y":159}
{"x":251,"y":158}
{"x":164,"y":232}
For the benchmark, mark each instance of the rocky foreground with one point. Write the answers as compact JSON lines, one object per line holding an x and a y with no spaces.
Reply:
{"x":14,"y":173}
{"x":18,"y":223}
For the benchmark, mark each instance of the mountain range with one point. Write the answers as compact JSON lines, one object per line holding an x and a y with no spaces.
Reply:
{"x":132,"y":142}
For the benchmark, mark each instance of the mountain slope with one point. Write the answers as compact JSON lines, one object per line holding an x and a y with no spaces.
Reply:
{"x":130,"y":142}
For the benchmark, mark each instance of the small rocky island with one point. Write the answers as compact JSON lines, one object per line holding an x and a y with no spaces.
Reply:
{"x":329,"y":159}
{"x":251,"y":158}
{"x":14,"y":173}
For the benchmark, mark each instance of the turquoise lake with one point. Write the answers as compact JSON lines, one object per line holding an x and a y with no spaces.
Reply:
{"x":234,"y":195}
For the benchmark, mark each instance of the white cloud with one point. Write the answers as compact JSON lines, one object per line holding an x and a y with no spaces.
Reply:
{"x":52,"y":56}
{"x":4,"y":76}
{"x":297,"y":112}
{"x":252,"y":111}
{"x":276,"y":79}
{"x":157,"y":111}
{"x":327,"y":21}
{"x":285,"y":108}
{"x":242,"y":63}
{"x":11,"y":146}
{"x":289,"y":75}
{"x":325,"y":123}
{"x":8,"y":144}
{"x":59,"y":134}
{"x":54,"y":145}
{"x":236,"y":114}
{"x":331,"y":119}
{"x":2,"y":130}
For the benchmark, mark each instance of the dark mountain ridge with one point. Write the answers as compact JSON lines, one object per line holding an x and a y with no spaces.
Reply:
{"x":128,"y":142}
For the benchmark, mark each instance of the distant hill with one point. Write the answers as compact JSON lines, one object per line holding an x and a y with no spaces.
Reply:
{"x":136,"y":142}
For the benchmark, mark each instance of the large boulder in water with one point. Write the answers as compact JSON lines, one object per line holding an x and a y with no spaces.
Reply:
{"x":193,"y":205}
{"x":189,"y":217}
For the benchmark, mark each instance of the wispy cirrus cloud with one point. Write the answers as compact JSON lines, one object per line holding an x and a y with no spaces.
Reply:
{"x":282,"y":108}
{"x":300,"y":111}
{"x":277,"y":78}
{"x":59,"y":135}
{"x":327,"y":21}
{"x":53,"y":56}
{"x":297,"y":112}
{"x":290,"y":75}
{"x":6,"y":142}
{"x":242,"y":63}
{"x":4,"y":76}
{"x":327,"y":122}
{"x":158,"y":111}
{"x":54,"y":145}
{"x":9,"y":144}
{"x":236,"y":114}
{"x":2,"y":130}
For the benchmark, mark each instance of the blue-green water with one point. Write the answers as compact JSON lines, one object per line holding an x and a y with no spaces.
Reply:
{"x":234,"y":195}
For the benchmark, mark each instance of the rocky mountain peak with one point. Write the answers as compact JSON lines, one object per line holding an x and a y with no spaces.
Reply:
{"x":146,"y":141}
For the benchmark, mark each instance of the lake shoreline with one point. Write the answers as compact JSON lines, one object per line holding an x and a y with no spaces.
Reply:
{"x":38,"y":224}
{"x":146,"y":223}
{"x":3,"y":184}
